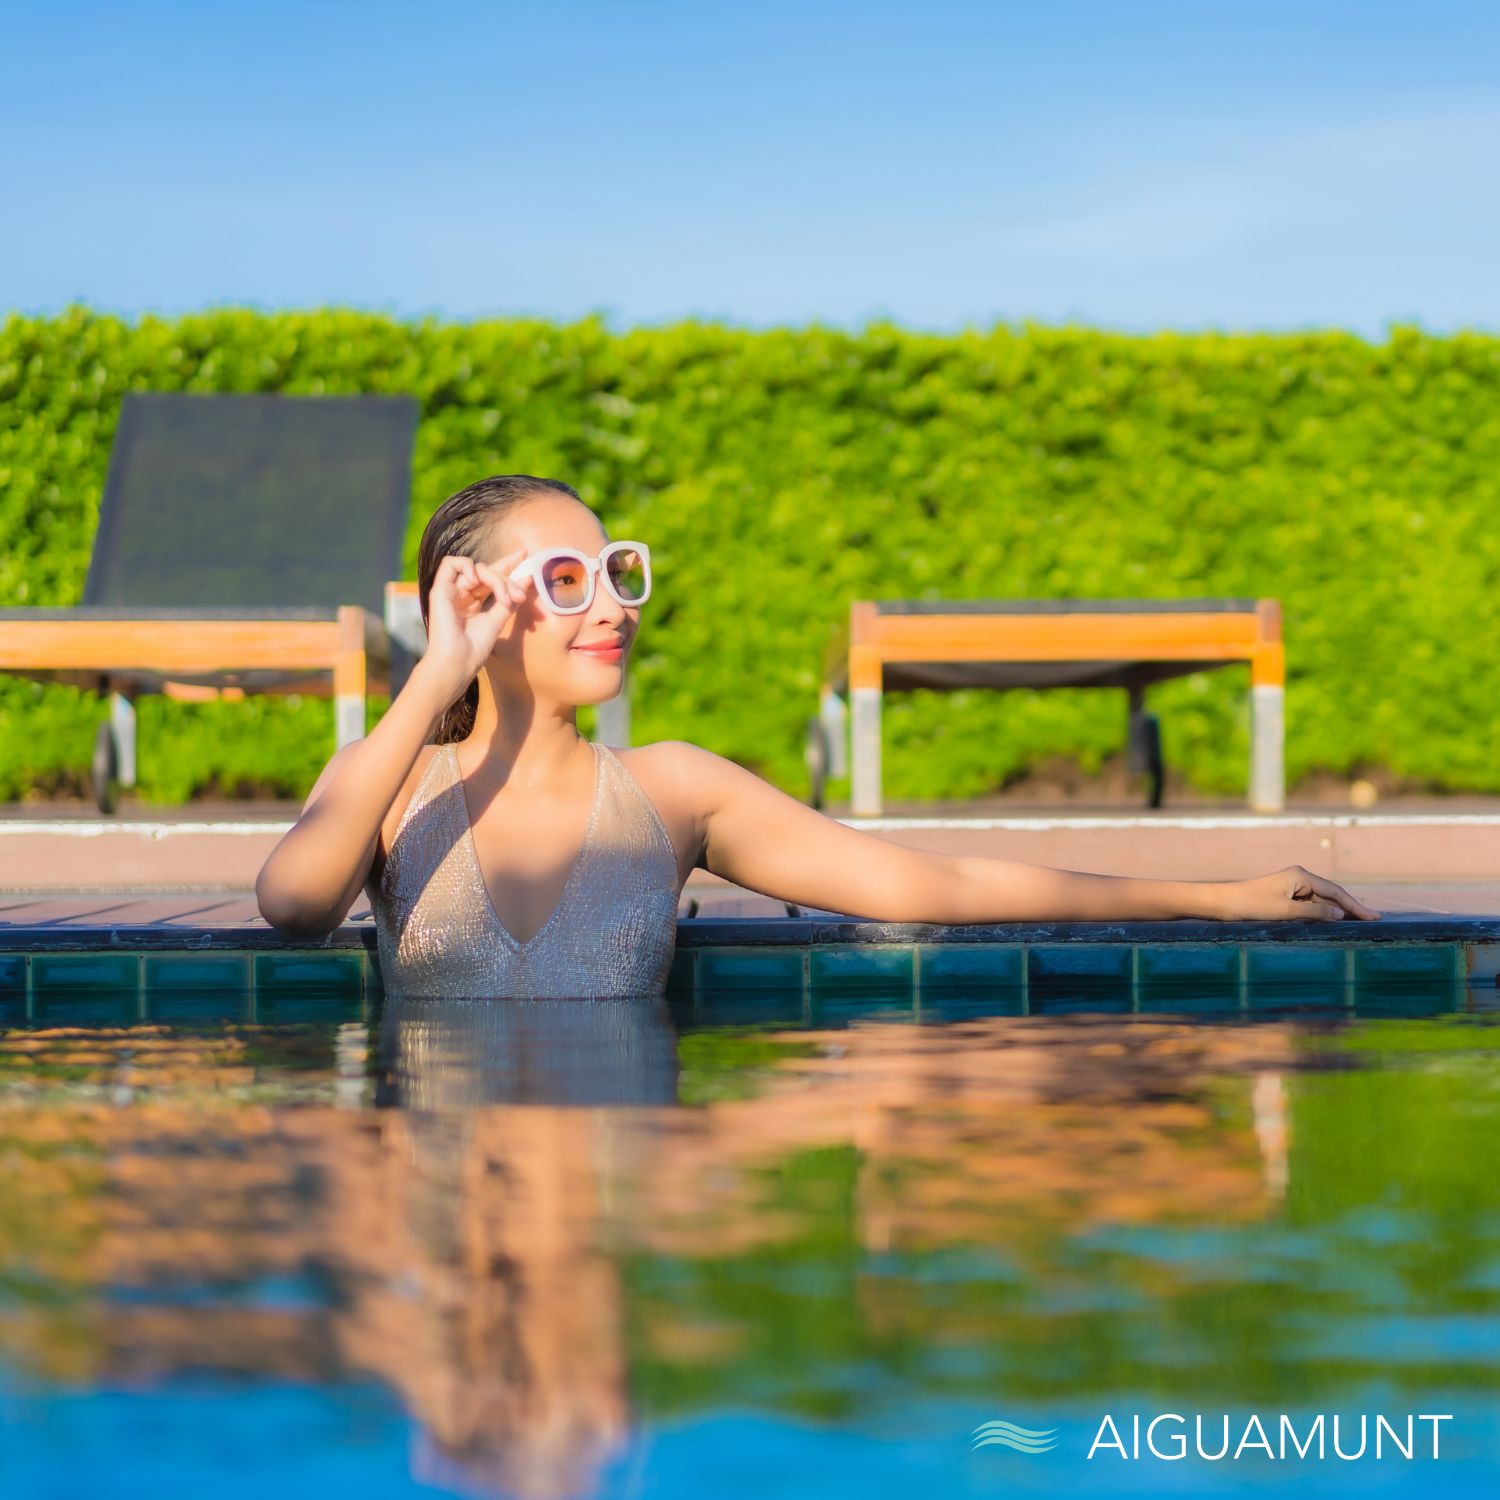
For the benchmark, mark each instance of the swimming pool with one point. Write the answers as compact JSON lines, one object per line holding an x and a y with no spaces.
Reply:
{"x":805,"y":1239}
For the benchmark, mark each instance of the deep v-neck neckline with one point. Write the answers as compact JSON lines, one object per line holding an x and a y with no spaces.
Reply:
{"x":478,"y":869}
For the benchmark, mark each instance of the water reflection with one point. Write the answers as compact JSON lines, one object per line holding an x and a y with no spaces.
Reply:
{"x":461,"y":1054}
{"x":550,"y":1225}
{"x":504,"y":1209}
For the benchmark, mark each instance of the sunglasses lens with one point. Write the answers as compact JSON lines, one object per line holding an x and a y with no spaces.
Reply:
{"x":566,"y":581}
{"x":627,"y":571}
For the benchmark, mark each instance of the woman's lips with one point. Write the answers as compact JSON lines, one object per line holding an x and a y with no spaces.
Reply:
{"x":611,"y":653}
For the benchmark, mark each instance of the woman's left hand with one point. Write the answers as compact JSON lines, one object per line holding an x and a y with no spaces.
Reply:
{"x":1292,"y":893}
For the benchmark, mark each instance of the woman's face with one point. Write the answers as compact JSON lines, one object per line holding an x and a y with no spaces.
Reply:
{"x":548,"y":652}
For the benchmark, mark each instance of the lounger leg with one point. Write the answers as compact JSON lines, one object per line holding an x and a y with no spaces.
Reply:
{"x":1143,"y":746}
{"x":835,"y":719}
{"x":865,"y":800}
{"x":122,"y":725}
{"x":866,"y":685}
{"x":1267,"y":749}
{"x":349,"y":719}
{"x":1268,"y":713}
{"x":349,"y":676}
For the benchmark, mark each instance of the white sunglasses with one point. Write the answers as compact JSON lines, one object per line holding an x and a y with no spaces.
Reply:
{"x":565,"y":577}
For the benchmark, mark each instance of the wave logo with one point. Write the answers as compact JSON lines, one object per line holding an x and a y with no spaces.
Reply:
{"x":1008,"y":1435}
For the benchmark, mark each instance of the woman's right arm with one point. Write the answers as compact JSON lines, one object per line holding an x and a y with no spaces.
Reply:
{"x":314,"y":874}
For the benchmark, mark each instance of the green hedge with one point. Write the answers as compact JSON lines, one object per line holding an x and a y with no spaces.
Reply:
{"x":779,"y":474}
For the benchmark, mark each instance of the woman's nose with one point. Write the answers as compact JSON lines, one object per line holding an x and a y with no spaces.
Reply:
{"x":605,"y":606}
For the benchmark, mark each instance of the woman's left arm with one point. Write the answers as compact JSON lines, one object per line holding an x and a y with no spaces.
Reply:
{"x":758,"y":837}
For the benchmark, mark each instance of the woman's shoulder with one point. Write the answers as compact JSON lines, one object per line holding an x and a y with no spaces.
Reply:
{"x":666,"y":762}
{"x":683,"y":779}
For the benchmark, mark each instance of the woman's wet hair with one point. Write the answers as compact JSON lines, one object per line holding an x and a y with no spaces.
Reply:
{"x":464,"y":525}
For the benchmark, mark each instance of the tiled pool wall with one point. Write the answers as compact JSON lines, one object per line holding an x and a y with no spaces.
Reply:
{"x":1120,"y":974}
{"x":115,"y":988}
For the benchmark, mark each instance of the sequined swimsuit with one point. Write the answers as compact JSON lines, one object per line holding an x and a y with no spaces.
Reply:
{"x":612,"y":932}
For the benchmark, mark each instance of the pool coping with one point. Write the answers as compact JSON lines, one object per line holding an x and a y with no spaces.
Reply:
{"x":741,"y":932}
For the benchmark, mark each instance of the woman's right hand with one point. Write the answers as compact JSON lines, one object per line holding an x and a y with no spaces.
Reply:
{"x":467,"y":608}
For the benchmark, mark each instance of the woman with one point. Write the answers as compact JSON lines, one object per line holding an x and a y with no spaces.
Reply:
{"x":505,"y":855}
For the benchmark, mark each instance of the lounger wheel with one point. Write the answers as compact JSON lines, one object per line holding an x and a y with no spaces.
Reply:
{"x":1145,"y":754}
{"x":104,"y":770}
{"x":815,"y":756}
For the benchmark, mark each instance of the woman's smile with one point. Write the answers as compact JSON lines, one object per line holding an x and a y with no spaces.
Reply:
{"x":603,"y":650}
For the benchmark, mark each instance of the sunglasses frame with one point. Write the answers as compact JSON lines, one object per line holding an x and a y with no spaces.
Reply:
{"x":597,"y":569}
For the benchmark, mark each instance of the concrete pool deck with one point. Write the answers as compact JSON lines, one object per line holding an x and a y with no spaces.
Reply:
{"x":221,"y":849}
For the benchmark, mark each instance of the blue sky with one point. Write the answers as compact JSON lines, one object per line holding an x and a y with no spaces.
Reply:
{"x":1134,"y":165}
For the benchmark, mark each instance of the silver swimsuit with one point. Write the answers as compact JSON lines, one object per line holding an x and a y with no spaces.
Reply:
{"x":613,"y":931}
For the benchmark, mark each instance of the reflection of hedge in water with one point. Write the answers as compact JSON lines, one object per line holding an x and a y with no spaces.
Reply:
{"x":1354,"y":481}
{"x":1040,"y":1209}
{"x":1388,"y":1232}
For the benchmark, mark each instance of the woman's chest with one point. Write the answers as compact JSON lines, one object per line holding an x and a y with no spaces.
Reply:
{"x":679,"y":817}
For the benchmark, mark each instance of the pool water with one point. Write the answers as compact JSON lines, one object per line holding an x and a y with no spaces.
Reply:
{"x":749,"y":1245}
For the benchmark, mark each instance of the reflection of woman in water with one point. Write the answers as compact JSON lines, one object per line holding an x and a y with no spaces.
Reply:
{"x":506,"y":855}
{"x":452,"y":1055}
{"x":509,"y":1195}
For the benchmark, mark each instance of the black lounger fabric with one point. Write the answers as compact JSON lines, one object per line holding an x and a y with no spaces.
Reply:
{"x":898,"y":676}
{"x":254,"y":501}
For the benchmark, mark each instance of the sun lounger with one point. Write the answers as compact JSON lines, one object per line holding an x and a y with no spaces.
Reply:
{"x":894,"y":644}
{"x":243,"y":546}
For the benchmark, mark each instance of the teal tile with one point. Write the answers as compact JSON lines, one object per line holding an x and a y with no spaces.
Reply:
{"x":1189,"y":961}
{"x":684,"y":969}
{"x":1483,"y":963}
{"x":84,"y":971}
{"x":339,"y":973}
{"x":1283,"y":975}
{"x":1208,"y":997}
{"x":970,"y":966}
{"x":1071,"y":962}
{"x":743,"y":1006}
{"x":1188,"y":978}
{"x":833,"y":1009}
{"x":199,"y":1007}
{"x":290,"y":1007}
{"x":1291,"y":995}
{"x":86,"y":1007}
{"x":863,"y":966}
{"x":1276,"y":963}
{"x":737,"y":968}
{"x":967,"y":1004}
{"x":1386,"y":962}
{"x":1408,"y":999}
{"x":208,"y":972}
{"x":1102,"y":997}
{"x":12,"y":973}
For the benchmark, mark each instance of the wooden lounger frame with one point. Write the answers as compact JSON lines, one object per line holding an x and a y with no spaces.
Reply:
{"x":1125,"y":643}
{"x":128,"y":652}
